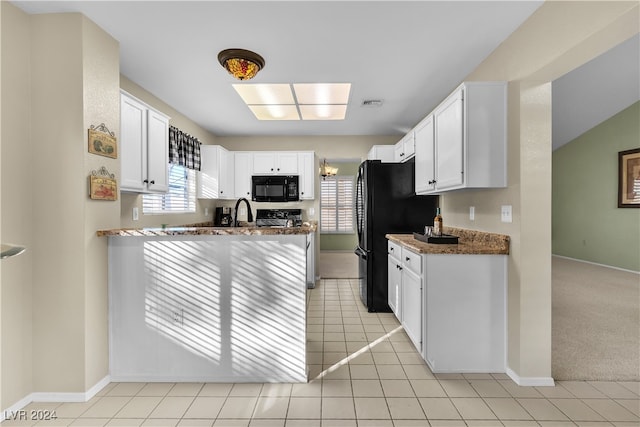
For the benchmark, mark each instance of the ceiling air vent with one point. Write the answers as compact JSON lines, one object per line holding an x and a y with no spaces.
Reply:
{"x":372,"y":103}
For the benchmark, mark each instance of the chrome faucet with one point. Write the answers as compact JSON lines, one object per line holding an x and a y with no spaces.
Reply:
{"x":249,"y":213}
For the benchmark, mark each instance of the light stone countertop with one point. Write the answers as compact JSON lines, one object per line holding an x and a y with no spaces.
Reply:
{"x":470,"y":242}
{"x":204,"y":230}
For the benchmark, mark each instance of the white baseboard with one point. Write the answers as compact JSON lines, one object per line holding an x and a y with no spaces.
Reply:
{"x":595,"y":263}
{"x":13,"y":412}
{"x":54,"y":397}
{"x":530,"y":381}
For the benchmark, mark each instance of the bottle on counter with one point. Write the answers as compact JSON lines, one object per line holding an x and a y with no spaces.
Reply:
{"x":437,"y":224}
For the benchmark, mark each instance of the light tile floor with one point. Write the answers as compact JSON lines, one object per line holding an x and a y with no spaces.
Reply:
{"x":364,"y":372}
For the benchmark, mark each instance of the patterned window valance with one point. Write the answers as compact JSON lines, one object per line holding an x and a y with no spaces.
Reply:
{"x":184,"y":149}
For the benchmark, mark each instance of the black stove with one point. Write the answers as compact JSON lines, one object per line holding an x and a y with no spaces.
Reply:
{"x":279,"y":217}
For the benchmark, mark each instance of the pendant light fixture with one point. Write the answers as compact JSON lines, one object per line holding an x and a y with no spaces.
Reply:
{"x":326,"y":170}
{"x":240,"y":63}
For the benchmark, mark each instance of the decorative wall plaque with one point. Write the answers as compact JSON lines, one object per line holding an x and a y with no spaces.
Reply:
{"x":103,"y":185}
{"x":102,"y":141}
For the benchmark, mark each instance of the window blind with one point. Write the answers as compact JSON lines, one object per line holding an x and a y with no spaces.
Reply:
{"x":181,"y":197}
{"x":337,"y":204}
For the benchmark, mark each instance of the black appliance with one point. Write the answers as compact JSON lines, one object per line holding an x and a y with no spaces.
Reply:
{"x":278,"y":217}
{"x":274,"y":188}
{"x":222,"y":217}
{"x":385,"y":203}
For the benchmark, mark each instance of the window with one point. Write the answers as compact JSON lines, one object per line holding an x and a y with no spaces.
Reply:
{"x":181,"y":197}
{"x":336,"y":204}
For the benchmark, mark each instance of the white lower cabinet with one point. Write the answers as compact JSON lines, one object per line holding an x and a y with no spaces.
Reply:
{"x":465,"y":313}
{"x":452,"y":307}
{"x":394,"y":281}
{"x":412,"y":307}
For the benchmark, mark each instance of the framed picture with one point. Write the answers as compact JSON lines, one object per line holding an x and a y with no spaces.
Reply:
{"x":102,"y":143}
{"x":103,"y":185}
{"x":629,"y":178}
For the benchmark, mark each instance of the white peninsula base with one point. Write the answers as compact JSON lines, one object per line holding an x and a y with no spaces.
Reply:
{"x":226,"y":308}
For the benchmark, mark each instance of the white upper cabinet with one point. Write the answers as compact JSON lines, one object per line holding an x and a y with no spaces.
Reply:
{"x":463,"y":144}
{"x":216,"y":175}
{"x":424,"y":159}
{"x":243,"y":167}
{"x":307,"y":175}
{"x":449,"y":142}
{"x":144,"y":147}
{"x":405,"y":148}
{"x":275,"y":163}
{"x":384,"y":153}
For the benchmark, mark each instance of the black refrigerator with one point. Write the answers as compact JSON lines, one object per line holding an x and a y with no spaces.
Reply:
{"x":385,"y":203}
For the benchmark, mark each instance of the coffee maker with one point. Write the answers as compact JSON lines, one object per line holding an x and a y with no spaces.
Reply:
{"x":223,"y":217}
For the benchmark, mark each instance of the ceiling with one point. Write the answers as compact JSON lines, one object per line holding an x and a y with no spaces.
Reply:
{"x":596,"y":91}
{"x":408,"y":54}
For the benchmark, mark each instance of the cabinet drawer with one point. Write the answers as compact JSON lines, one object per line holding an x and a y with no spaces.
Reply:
{"x":394,"y":249}
{"x":412,"y":261}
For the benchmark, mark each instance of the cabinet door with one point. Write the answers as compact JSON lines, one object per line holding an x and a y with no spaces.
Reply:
{"x":394,"y":287}
{"x":287,"y":164}
{"x":208,"y":181}
{"x":307,"y":172}
{"x":398,"y":151}
{"x":411,"y":295}
{"x":264,"y":163}
{"x":133,"y":150}
{"x":243,"y":165}
{"x":449,"y":142}
{"x":226,"y":165}
{"x":157,"y":152}
{"x":409,"y":146}
{"x":424,"y":156}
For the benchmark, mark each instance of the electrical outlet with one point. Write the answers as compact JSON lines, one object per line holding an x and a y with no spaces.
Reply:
{"x":472,"y":213}
{"x":135,"y":214}
{"x":206,"y":211}
{"x":312,"y":212}
{"x":242,"y":211}
{"x":505,"y":213}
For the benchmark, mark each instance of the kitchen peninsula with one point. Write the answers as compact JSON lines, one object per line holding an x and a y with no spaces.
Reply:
{"x":211,"y":304}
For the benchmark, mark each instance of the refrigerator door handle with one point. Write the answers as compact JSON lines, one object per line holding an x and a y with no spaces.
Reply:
{"x":360,"y":252}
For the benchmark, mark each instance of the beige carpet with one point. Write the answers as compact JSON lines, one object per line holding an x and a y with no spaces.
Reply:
{"x":596,"y":322}
{"x":338,"y":265}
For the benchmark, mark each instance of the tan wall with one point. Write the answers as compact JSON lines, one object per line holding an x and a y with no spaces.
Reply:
{"x":131,"y":200}
{"x":101,"y":78}
{"x":60,"y":74}
{"x":557,"y":38}
{"x":59,"y":258}
{"x":16,"y":214}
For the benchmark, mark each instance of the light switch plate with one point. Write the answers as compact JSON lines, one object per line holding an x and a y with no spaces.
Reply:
{"x":472,"y":213}
{"x":506,"y":215}
{"x":135,"y":214}
{"x":206,"y":211}
{"x":312,"y":212}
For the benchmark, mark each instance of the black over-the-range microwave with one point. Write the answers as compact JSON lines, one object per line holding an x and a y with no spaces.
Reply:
{"x":274,"y":188}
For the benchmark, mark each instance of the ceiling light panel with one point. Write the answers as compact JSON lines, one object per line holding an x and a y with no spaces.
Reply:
{"x":265,"y":94}
{"x":323,"y":112}
{"x":322,"y":93}
{"x":275,"y":112}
